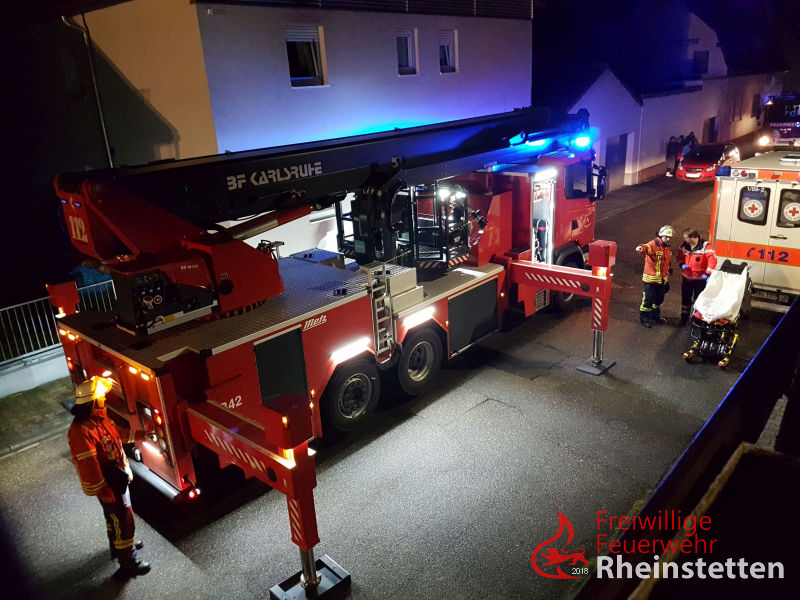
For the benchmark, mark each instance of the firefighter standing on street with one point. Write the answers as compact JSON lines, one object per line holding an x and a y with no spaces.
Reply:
{"x":696,"y":259}
{"x":657,"y":267}
{"x":103,"y":469}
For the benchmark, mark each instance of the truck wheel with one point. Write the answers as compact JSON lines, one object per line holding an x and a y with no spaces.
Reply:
{"x":420,"y":360}
{"x":564,"y":301}
{"x":351,"y":395}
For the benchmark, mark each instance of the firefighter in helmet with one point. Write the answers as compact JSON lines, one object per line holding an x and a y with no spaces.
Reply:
{"x":657,"y":268}
{"x":96,"y":448}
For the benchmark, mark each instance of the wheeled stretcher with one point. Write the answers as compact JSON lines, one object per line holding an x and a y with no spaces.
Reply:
{"x":716,"y":312}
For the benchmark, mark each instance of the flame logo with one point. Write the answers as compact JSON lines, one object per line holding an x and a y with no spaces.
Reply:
{"x":554,"y":555}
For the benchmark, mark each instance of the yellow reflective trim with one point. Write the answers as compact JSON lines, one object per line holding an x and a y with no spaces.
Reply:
{"x":122,"y":544}
{"x":87,"y":454}
{"x":117,"y":531}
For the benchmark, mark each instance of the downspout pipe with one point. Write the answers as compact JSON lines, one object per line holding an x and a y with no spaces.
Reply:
{"x":87,"y":41}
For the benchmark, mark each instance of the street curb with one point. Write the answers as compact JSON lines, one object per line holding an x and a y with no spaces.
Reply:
{"x":10,"y":449}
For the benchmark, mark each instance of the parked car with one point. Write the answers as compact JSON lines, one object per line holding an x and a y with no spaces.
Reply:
{"x":702,"y":162}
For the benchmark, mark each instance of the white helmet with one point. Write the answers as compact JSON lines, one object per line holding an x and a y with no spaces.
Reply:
{"x":91,"y":389}
{"x":666,"y":231}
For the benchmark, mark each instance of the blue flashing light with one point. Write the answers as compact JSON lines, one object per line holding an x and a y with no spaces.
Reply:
{"x":538,"y":143}
{"x":517,"y":139}
{"x":63,"y":201}
{"x":725,"y":171}
{"x":582,"y":141}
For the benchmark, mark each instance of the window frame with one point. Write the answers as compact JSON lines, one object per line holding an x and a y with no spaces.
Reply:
{"x":314,"y":37}
{"x":780,"y":221}
{"x":448,"y":38}
{"x":762,"y":220}
{"x":412,"y":47}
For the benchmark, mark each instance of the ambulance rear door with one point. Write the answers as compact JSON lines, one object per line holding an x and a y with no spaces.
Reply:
{"x":751,"y":213}
{"x":782,"y":259}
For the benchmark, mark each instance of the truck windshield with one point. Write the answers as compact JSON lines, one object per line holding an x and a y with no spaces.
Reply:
{"x":781,"y":112}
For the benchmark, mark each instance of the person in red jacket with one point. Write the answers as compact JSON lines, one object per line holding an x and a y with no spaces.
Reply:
{"x":657,"y":269}
{"x":697,"y":259}
{"x":103,"y":469}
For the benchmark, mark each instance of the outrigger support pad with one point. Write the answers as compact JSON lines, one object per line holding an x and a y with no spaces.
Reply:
{"x":596,"y":365}
{"x":333,"y":582}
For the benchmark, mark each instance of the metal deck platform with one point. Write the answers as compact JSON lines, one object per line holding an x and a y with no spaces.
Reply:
{"x":308,"y":289}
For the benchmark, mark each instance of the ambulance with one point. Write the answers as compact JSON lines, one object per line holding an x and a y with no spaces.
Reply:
{"x":756,"y":219}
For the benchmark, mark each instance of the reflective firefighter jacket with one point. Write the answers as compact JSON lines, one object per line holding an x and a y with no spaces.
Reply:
{"x":657,"y":265}
{"x":97,"y":453}
{"x":698,"y":260}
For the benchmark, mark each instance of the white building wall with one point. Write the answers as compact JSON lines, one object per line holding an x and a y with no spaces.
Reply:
{"x":612,"y":111}
{"x":255,"y":106}
{"x":154,"y":46}
{"x":703,"y":38}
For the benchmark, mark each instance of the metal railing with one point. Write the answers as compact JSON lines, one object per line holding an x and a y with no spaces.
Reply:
{"x":30,"y":327}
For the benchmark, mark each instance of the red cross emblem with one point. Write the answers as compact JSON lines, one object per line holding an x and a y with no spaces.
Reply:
{"x":753,"y":208}
{"x":792,"y":211}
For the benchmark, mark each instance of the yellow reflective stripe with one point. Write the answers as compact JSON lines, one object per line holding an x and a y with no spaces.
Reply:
{"x":653,"y":279}
{"x":87,"y":454}
{"x":91,"y":489}
{"x":122,"y":544}
{"x":644,"y":308}
{"x":117,"y":531}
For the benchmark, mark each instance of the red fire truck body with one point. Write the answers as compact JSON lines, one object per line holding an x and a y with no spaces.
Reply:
{"x":254,"y":385}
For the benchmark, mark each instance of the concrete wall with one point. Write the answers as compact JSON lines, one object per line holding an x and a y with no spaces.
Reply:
{"x":255,"y":106}
{"x":33,"y":372}
{"x":159,"y":103}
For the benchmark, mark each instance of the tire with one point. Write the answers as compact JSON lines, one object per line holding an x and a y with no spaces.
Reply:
{"x":351,"y":395}
{"x":419,"y":361}
{"x":563,"y":301}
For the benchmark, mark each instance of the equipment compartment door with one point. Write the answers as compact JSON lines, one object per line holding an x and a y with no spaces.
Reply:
{"x":472,"y":315}
{"x":281,"y":366}
{"x":782,"y":258}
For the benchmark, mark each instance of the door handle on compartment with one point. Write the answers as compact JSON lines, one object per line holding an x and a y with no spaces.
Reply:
{"x":778,"y":237}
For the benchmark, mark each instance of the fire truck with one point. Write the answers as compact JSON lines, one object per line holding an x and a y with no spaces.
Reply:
{"x":217,"y":344}
{"x":780,"y":121}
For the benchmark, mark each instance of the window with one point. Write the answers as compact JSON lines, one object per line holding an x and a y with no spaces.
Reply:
{"x":737,"y":108}
{"x":448,"y":51}
{"x":407,"y":52}
{"x":789,"y":213}
{"x":753,"y":204}
{"x":755,"y":106}
{"x":576,"y":180}
{"x":305,"y":50}
{"x":700,"y":60}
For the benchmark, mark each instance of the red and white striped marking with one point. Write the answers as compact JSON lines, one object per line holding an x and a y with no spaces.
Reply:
{"x":245,"y":457}
{"x":597,"y":313}
{"x":552,"y":280}
{"x":295,"y":522}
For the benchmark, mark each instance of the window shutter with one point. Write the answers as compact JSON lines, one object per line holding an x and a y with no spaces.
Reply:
{"x":302,"y":33}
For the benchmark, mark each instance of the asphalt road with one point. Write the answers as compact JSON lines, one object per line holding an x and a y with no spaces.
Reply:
{"x":449,"y":493}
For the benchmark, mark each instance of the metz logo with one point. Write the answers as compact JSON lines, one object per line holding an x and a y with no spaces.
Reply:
{"x":235,"y":182}
{"x":555,"y":557}
{"x":315,"y":321}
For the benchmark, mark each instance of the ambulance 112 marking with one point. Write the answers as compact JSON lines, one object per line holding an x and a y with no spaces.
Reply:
{"x":770,"y":255}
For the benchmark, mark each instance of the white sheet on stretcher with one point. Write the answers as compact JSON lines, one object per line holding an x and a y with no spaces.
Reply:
{"x":722,"y":297}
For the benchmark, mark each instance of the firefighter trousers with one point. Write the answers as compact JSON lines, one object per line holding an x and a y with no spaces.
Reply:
{"x":120,"y":528}
{"x":690,"y":290}
{"x":652,"y":299}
